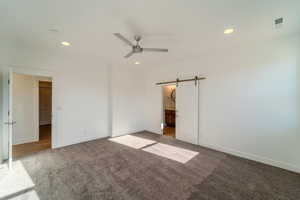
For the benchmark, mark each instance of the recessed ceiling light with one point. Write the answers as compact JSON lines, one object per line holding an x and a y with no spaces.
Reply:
{"x":66,"y":43}
{"x":137,"y":62}
{"x":228,"y":31}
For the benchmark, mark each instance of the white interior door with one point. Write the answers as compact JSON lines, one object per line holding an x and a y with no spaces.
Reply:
{"x":10,"y":122}
{"x":7,"y":117}
{"x":187,"y":112}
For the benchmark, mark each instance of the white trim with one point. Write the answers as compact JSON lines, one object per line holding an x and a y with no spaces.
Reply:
{"x":31,"y":71}
{"x":27,"y":140}
{"x":10,"y":118}
{"x":37,"y":106}
{"x":260,"y":159}
{"x":5,"y":108}
{"x":196,"y":118}
{"x":162,"y":112}
{"x":253,"y":157}
{"x":124,"y":132}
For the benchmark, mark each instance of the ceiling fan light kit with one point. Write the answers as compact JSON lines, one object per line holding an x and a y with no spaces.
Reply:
{"x":136,"y":48}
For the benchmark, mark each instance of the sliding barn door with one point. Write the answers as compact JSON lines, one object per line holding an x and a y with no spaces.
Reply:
{"x":187,"y":112}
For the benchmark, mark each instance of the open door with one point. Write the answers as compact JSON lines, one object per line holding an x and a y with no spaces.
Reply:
{"x":187,"y":112}
{"x":7,"y":118}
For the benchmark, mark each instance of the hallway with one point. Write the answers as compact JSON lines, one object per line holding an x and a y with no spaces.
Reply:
{"x":32,"y":147}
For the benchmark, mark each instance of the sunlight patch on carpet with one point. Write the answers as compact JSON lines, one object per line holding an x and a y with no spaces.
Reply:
{"x":15,"y":181}
{"x":132,"y":141}
{"x":174,"y":153}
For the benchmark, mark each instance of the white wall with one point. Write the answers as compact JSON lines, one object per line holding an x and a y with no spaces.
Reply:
{"x":83,"y":106}
{"x":25,"y":109}
{"x":250,"y":102}
{"x":80,"y":98}
{"x":128,"y":100}
{"x":93,"y":100}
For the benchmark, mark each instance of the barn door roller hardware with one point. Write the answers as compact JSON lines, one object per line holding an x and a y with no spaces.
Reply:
{"x":177,"y":81}
{"x":196,"y":79}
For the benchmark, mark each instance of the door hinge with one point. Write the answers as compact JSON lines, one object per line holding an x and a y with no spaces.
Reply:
{"x":8,"y":81}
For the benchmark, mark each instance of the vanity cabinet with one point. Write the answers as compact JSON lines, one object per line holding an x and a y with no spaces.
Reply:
{"x":170,"y":117}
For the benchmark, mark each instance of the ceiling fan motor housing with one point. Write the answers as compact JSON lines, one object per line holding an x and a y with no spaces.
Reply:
{"x":137,"y":49}
{"x":137,"y":38}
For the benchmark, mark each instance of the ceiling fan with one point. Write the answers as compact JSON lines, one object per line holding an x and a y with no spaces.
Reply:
{"x":136,"y":48}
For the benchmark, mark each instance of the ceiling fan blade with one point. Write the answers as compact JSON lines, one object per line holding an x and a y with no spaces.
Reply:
{"x":129,"y":54}
{"x":155,"y":49}
{"x":121,"y":37}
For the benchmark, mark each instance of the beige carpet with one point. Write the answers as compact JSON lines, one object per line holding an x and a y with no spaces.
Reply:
{"x":174,"y":153}
{"x":103,"y":169}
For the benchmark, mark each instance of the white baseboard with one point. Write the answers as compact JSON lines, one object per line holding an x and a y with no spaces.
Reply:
{"x":121,"y":133}
{"x":78,"y":141}
{"x":261,"y":159}
{"x":26,"y":140}
{"x":253,"y":157}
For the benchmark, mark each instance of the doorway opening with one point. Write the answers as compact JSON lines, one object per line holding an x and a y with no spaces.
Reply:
{"x":169,"y":110}
{"x":32,"y":110}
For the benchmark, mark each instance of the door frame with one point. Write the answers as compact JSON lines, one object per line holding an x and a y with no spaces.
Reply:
{"x":35,"y":72}
{"x":7,"y":119}
{"x":197,"y":114}
{"x":162,"y":114}
{"x":10,"y":117}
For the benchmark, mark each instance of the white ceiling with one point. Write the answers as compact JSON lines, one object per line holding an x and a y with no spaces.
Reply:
{"x":187,"y":28}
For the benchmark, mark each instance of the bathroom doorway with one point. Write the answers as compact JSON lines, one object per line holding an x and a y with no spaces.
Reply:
{"x":169,"y":110}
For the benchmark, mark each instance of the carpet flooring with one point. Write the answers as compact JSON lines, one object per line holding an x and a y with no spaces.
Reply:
{"x":102,"y":169}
